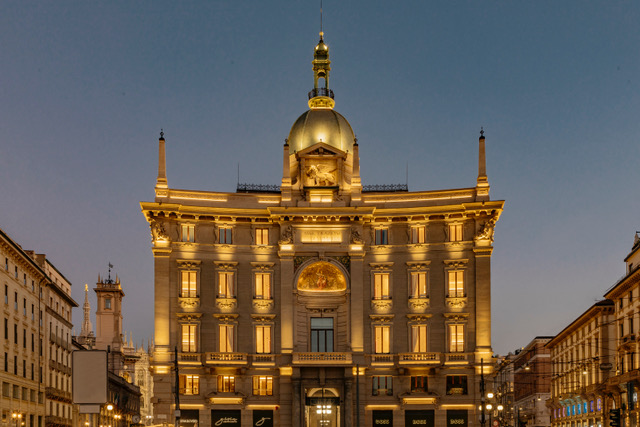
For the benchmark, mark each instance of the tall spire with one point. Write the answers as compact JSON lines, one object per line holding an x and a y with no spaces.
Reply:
{"x":482,"y":186}
{"x":162,"y":163}
{"x":86,"y":308}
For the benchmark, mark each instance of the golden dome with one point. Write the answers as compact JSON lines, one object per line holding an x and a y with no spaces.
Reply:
{"x":321,"y":125}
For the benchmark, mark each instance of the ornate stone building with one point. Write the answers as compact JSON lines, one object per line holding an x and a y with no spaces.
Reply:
{"x":321,"y":302}
{"x":36,"y":362}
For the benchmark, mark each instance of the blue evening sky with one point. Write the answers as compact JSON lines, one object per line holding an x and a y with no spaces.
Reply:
{"x":86,"y":86}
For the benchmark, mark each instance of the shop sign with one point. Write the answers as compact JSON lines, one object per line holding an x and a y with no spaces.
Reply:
{"x":263,"y":418}
{"x":457,"y":418}
{"x":225,"y":418}
{"x":382,"y":418}
{"x":189,"y":418}
{"x":417,"y":418}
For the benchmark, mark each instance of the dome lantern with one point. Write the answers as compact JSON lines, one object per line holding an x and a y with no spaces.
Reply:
{"x":321,"y":96}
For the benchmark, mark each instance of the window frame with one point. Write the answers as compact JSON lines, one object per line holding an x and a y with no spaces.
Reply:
{"x":455,"y":232}
{"x":382,"y":383}
{"x":418,"y":234}
{"x":262,"y":385}
{"x":261,"y":236}
{"x":188,"y":232}
{"x":381,"y":236}
{"x":189,"y":330}
{"x":381,"y":335}
{"x":225,"y":235}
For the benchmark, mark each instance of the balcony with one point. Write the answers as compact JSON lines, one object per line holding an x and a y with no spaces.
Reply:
{"x":189,"y":358}
{"x":262,"y":305}
{"x":321,"y":359}
{"x":226,"y":305}
{"x":457,"y":358}
{"x":226,"y":359}
{"x":419,"y":359}
{"x":263,"y":360}
{"x":382,"y":359}
{"x":381,"y":305}
{"x":419,"y":305}
{"x":320,"y":91}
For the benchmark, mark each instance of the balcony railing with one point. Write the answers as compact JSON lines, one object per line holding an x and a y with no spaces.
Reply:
{"x":322,"y":358}
{"x":189,"y":358}
{"x":419,"y":358}
{"x":382,"y":359}
{"x":264,"y":359}
{"x":320,"y":91}
{"x":456,"y":358}
{"x":226,"y":358}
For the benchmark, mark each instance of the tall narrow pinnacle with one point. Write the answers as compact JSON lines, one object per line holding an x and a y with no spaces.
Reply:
{"x":86,"y":308}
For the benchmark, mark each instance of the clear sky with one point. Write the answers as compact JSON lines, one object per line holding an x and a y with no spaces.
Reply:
{"x":85,"y":88}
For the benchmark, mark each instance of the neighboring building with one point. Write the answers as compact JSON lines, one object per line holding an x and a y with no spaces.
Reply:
{"x":36,"y":369}
{"x":503,"y":390}
{"x":625,"y":294}
{"x":582,"y":356}
{"x":322,"y":301}
{"x":532,"y":379}
{"x":145,"y":382}
{"x":122,"y":357}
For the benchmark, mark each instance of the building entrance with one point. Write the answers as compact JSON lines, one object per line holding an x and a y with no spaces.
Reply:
{"x":322,"y":408}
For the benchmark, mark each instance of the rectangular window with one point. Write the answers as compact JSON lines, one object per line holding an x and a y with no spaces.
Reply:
{"x":419,"y":384}
{"x":33,"y":314}
{"x":456,"y":338}
{"x":24,"y":279}
{"x":188,"y":232}
{"x":15,"y":301}
{"x":263,"y":339}
{"x":6,"y":294}
{"x":456,"y":384}
{"x":381,"y":286}
{"x":227,"y":338}
{"x":189,"y":338}
{"x":419,"y":338}
{"x":6,"y":329}
{"x":189,"y":384}
{"x":6,"y":264}
{"x":456,"y":283}
{"x":418,"y":285}
{"x":16,"y":271}
{"x":24,"y":307}
{"x":226,"y":285}
{"x":322,"y":334}
{"x":225,"y":235}
{"x":262,"y":286}
{"x":226,"y":384}
{"x":382,"y":385}
{"x":262,"y":385}
{"x":381,"y":236}
{"x":382,"y":339}
{"x":631,"y":325}
{"x":107,"y":303}
{"x":188,"y":288}
{"x":419,"y":234}
{"x":262,"y":236}
{"x":455,"y":232}
{"x":15,"y":333}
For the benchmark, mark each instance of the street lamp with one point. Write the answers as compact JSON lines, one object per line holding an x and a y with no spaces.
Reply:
{"x":17,"y":417}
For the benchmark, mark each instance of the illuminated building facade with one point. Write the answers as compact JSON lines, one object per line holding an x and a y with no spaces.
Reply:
{"x":321,"y":302}
{"x":36,"y":362}
{"x":582,"y":357}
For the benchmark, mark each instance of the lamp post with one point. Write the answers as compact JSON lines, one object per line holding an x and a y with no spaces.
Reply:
{"x":17,"y":417}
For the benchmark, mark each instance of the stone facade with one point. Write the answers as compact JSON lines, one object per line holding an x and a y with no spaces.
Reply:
{"x":321,"y":302}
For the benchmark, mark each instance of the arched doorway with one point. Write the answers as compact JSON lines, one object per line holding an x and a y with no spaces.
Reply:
{"x":322,"y":407}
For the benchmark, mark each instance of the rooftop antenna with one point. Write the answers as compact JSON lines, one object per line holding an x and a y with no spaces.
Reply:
{"x":407,"y":176}
{"x":110,"y":267}
{"x":321,"y":32}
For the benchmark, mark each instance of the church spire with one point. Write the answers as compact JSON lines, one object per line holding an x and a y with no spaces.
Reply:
{"x":86,"y":308}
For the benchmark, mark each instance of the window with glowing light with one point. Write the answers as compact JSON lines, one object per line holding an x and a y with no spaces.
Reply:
{"x":418,"y":285}
{"x":226,"y":338}
{"x":226,"y":284}
{"x":262,"y":286}
{"x":455,"y":232}
{"x":455,"y":283}
{"x":226,"y":384}
{"x":381,"y":286}
{"x":382,"y":385}
{"x":382,"y":341}
{"x":456,"y":338}
{"x":189,"y":284}
{"x":418,"y":234}
{"x":262,"y":236}
{"x":419,"y":338}
{"x":187,"y":232}
{"x":189,"y":384}
{"x":189,"y":338}
{"x":262,"y":385}
{"x":225,"y":235}
{"x":263,"y":339}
